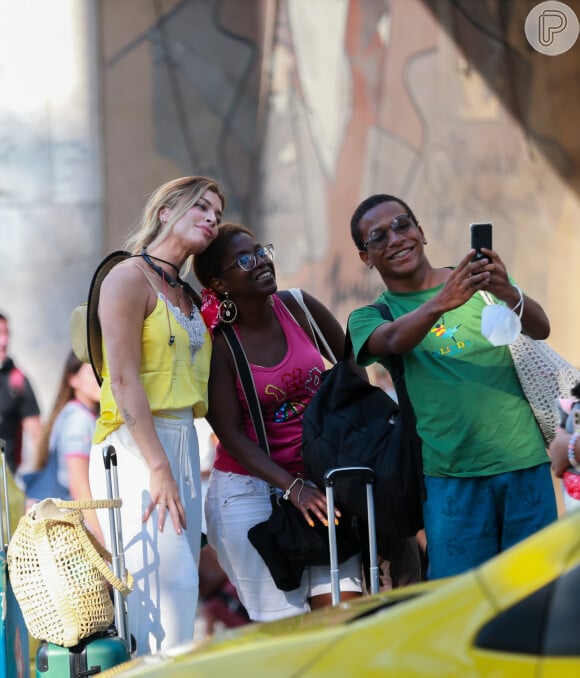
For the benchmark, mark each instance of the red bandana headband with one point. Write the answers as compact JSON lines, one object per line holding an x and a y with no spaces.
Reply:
{"x":210,"y":303}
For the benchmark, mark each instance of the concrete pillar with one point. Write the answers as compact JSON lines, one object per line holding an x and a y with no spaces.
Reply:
{"x":50,"y":176}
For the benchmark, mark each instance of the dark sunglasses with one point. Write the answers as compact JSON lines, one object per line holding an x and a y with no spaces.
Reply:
{"x":378,"y":239}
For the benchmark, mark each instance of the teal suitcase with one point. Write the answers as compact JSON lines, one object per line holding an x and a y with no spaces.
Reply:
{"x":100,"y":651}
{"x":14,"y":648}
{"x":91,"y":656}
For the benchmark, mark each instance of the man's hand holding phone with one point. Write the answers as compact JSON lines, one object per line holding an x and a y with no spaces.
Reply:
{"x":480,"y":237}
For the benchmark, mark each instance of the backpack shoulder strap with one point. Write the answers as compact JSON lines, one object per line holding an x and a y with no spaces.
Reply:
{"x":291,"y":304}
{"x":397,"y":368}
{"x":385,"y":311}
{"x":296,"y":292}
{"x":396,"y":360}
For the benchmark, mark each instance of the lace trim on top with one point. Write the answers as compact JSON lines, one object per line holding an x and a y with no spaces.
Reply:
{"x":192,"y":324}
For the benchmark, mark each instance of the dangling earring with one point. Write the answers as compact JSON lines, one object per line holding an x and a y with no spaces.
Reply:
{"x":228,"y":311}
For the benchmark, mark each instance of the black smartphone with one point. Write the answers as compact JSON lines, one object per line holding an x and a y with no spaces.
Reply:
{"x":480,"y":237}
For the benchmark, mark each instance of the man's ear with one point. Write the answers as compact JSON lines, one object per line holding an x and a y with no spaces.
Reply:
{"x":364,"y":257}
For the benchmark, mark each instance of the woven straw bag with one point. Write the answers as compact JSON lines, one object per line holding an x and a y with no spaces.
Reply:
{"x":60,"y":573}
{"x":545,"y":378}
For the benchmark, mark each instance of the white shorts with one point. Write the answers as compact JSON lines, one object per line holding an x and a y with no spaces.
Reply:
{"x":162,"y":605}
{"x":234,"y":504}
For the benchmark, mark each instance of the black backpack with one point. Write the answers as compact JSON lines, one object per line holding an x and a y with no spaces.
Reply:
{"x":350,"y":422}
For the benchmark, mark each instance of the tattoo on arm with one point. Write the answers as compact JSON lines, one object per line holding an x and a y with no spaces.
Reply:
{"x":129,"y":419}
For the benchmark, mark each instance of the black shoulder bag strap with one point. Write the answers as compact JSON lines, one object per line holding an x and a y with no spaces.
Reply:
{"x":248,"y":386}
{"x":249,"y":389}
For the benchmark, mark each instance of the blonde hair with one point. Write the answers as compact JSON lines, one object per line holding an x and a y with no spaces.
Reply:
{"x":183,"y":192}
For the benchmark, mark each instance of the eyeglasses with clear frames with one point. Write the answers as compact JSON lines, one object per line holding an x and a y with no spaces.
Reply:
{"x":378,"y":239}
{"x":248,"y":262}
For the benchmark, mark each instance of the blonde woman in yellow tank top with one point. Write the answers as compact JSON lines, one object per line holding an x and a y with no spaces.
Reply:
{"x":156,"y":354}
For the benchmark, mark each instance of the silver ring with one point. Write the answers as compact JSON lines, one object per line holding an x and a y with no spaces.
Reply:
{"x":163,"y":504}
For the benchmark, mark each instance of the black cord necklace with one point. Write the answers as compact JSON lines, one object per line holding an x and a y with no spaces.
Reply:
{"x":164,"y":261}
{"x":148,"y":259}
{"x":172,"y":282}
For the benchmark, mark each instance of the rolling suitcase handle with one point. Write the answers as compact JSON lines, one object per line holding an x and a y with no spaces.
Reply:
{"x":367,"y":475}
{"x":5,"y":510}
{"x":118,"y":556}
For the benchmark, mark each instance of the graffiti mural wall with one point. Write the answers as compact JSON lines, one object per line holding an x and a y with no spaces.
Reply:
{"x":442,"y":103}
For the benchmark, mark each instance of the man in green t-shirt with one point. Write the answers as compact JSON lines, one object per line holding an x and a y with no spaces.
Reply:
{"x":487,"y":474}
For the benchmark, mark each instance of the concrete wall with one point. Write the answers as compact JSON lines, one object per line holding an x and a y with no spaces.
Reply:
{"x":50,"y":176}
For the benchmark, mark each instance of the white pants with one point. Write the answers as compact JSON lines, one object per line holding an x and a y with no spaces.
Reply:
{"x":234,"y":504}
{"x":162,"y":605}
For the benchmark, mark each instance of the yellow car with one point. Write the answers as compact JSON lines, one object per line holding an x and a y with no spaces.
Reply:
{"x":517,"y":615}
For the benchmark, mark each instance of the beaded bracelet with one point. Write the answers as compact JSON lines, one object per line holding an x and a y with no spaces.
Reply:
{"x":571,"y":454}
{"x":298,"y":479}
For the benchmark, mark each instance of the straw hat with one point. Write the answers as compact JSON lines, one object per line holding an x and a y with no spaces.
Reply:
{"x":85,"y":329}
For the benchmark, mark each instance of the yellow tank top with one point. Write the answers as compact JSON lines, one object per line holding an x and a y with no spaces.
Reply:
{"x":173,"y":376}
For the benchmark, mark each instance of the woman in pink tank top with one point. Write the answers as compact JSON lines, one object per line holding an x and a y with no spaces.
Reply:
{"x":238,"y":274}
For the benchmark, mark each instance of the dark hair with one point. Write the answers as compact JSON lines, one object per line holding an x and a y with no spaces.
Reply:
{"x":366,"y":205}
{"x":3,"y":317}
{"x":208,"y":264}
{"x":65,"y":393}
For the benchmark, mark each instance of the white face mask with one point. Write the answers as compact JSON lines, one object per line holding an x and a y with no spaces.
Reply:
{"x":501,"y":325}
